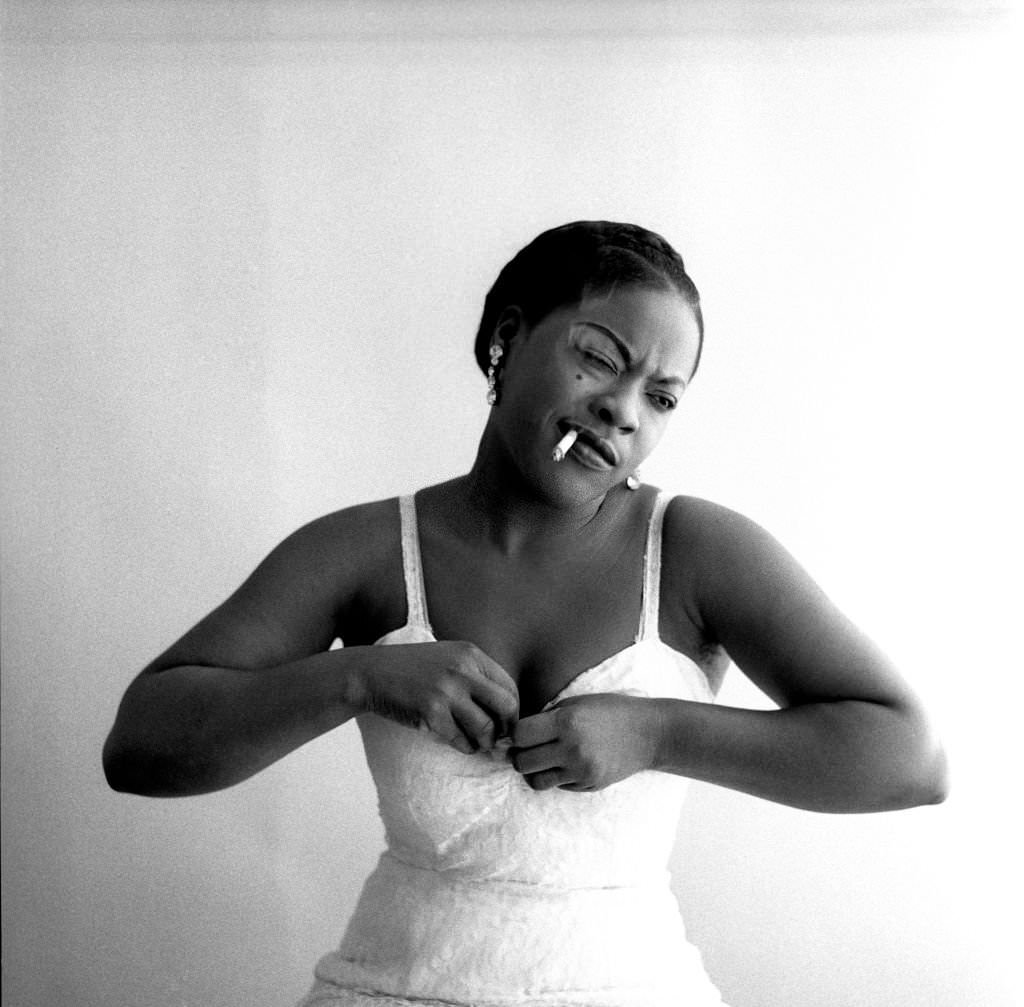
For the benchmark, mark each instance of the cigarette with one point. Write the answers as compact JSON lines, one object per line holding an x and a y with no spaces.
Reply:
{"x":562,"y":447}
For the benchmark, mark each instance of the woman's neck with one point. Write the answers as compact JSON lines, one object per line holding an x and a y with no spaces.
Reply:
{"x":494,"y":502}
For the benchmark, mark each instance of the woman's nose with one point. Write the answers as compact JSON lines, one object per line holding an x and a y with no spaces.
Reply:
{"x":617,"y":409}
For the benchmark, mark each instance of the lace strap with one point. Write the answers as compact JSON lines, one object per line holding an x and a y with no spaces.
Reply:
{"x":652,"y":571}
{"x":412,"y":565}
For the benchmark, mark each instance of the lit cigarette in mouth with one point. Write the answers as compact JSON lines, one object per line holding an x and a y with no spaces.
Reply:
{"x":562,"y":447}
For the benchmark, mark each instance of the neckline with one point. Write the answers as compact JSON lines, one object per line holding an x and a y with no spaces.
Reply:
{"x":586,"y":672}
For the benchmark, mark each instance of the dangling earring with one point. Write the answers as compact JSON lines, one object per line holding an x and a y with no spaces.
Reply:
{"x":492,"y":374}
{"x":633,"y":481}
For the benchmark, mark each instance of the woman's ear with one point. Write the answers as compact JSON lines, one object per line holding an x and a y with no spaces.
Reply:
{"x":511,"y":325}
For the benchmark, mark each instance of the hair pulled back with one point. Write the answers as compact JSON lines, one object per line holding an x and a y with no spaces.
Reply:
{"x":564,"y":264}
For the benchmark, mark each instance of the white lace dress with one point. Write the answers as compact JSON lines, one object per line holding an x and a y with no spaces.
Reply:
{"x":490,"y":894}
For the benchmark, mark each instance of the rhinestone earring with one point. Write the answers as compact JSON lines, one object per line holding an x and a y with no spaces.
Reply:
{"x":633,"y":482}
{"x":492,"y":374}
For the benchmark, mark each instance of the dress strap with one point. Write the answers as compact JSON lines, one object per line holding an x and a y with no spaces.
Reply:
{"x":412,"y":565}
{"x":651,"y":601}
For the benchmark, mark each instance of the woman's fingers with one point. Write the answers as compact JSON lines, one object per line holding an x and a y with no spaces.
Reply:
{"x":451,"y":689}
{"x":545,"y":766}
{"x":495,"y":673}
{"x":496,"y":691}
{"x":472,"y":696}
{"x":440,"y":722}
{"x":489,"y":707}
{"x":476,"y":725}
{"x":550,"y":778}
{"x":500,"y":706}
{"x":584,"y":743}
{"x":536,"y":753}
{"x":539,"y":729}
{"x":542,"y":758}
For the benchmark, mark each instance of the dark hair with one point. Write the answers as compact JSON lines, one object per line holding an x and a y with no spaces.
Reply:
{"x":562,"y":265}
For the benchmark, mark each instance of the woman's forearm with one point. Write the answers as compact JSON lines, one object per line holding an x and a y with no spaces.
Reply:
{"x":843,"y":756}
{"x":192,"y":729}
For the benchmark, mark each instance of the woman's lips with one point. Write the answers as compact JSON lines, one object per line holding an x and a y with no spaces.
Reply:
{"x":586,"y":454}
{"x":590,"y":449}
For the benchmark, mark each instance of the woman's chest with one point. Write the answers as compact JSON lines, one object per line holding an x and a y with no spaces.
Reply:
{"x":543,"y":623}
{"x":545,"y":619}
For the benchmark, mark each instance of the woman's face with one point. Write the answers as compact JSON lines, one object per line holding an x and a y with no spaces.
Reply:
{"x":613,"y":367}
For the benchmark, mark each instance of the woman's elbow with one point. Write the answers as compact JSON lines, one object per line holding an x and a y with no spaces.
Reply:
{"x":131,"y":769}
{"x":149,"y":751}
{"x":923,"y":777}
{"x":116,"y":770}
{"x":123,"y":769}
{"x":897,"y":761}
{"x":933,"y":787}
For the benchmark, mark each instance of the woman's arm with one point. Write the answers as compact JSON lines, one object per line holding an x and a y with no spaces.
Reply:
{"x":190,"y":729}
{"x":837,"y":756}
{"x":254,"y":680}
{"x":849,"y":735}
{"x":248,"y":683}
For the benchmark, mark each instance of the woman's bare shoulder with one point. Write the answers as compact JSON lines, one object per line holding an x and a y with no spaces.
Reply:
{"x":369,"y":524}
{"x":729,"y":556}
{"x":309,"y":589}
{"x":344,"y":543}
{"x":692,"y":520}
{"x":330,"y":562}
{"x":716,"y":540}
{"x":362,"y":524}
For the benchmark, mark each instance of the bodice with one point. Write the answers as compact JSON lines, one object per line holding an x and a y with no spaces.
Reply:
{"x":476,"y":817}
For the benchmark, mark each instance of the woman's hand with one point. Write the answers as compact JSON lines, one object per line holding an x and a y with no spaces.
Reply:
{"x":450,"y":688}
{"x":586,"y":742}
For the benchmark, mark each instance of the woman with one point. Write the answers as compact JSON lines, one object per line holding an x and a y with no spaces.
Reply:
{"x":557,"y":632}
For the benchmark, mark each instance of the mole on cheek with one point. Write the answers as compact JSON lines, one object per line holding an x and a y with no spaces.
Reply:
{"x":579,"y":377}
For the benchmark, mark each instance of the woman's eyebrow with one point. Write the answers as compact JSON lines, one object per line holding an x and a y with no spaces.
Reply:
{"x":622,"y":347}
{"x":661,"y":379}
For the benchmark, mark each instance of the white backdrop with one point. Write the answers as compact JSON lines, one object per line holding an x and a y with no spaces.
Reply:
{"x":245,"y":251}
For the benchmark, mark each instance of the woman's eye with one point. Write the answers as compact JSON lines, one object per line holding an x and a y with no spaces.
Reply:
{"x":601,"y":361}
{"x":664,"y":401}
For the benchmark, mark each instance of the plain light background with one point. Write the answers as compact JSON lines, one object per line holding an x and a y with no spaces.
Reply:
{"x":245,"y":248}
